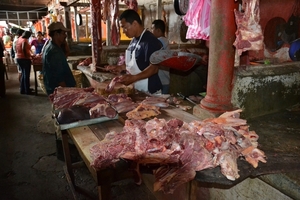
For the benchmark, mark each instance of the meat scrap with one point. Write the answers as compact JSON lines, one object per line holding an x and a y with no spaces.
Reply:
{"x":143,"y":111}
{"x":121,"y":102}
{"x":249,"y":34}
{"x":180,"y":148}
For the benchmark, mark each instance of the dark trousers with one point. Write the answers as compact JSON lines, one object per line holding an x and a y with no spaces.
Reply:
{"x":2,"y":79}
{"x":25,"y":65}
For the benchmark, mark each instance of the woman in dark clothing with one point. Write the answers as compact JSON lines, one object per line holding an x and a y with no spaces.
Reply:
{"x":24,"y":60}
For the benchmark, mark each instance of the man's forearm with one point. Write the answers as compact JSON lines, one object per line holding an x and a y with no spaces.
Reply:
{"x":149,"y":71}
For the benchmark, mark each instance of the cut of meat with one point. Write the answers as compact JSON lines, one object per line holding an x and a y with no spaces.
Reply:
{"x":156,"y":101}
{"x":112,"y":84}
{"x":249,"y":34}
{"x":143,"y":111}
{"x":125,"y":106}
{"x":102,"y":109}
{"x":73,"y":114}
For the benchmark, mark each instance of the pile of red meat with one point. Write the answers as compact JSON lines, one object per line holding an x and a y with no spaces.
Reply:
{"x":181,"y":148}
{"x":76,"y":104}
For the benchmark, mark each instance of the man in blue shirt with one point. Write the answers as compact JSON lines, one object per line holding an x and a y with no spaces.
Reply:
{"x":137,"y":56}
{"x":56,"y":70}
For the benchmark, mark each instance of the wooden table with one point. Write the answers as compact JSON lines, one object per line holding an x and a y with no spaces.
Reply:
{"x":86,"y":136}
{"x":36,"y":67}
{"x":281,"y":159}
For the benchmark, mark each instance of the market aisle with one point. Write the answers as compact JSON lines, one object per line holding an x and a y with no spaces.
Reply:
{"x":29,"y":167}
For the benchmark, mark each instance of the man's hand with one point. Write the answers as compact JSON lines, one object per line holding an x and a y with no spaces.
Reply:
{"x":127,"y":79}
{"x":115,"y":69}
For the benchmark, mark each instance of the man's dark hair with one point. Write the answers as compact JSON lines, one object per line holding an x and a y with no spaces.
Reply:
{"x":159,"y":24}
{"x":20,"y":32}
{"x":26,"y":34}
{"x":130,"y":16}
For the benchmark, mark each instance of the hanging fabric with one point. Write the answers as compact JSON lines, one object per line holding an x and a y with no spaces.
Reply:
{"x":197,"y":19}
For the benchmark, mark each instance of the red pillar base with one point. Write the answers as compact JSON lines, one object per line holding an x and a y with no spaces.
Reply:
{"x":210,"y":110}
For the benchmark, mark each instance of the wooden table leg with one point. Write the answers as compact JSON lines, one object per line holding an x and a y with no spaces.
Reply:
{"x":67,"y":155}
{"x":35,"y":83}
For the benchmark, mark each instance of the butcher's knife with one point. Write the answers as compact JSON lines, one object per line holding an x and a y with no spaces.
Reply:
{"x":186,"y":98}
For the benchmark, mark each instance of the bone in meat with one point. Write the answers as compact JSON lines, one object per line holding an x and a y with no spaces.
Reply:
{"x":112,"y":83}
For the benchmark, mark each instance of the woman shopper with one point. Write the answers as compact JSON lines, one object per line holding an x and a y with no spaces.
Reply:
{"x":24,"y":61}
{"x":38,"y":43}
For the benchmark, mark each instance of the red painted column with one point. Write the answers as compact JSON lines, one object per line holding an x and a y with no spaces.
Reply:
{"x":221,"y":57}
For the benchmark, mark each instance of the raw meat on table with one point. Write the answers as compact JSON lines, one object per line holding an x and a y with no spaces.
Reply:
{"x":180,"y":149}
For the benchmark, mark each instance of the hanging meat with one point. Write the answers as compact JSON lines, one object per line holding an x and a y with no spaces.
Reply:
{"x":131,"y":4}
{"x":114,"y":20}
{"x":110,"y":11}
{"x":249,"y":34}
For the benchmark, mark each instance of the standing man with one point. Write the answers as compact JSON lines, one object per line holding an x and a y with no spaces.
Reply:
{"x":158,"y":29}
{"x":137,"y":56}
{"x":56,"y":70}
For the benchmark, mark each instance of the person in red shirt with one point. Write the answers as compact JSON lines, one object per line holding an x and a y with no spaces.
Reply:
{"x":24,"y":56}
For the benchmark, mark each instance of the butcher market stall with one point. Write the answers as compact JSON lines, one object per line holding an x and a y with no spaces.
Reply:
{"x":281,"y":159}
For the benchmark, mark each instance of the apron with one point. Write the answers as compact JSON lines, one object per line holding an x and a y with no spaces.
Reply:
{"x":132,"y":67}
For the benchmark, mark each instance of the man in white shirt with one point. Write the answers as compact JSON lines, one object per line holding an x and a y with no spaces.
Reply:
{"x":158,"y":29}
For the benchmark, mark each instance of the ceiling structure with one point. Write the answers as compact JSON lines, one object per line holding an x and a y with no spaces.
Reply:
{"x":23,"y":5}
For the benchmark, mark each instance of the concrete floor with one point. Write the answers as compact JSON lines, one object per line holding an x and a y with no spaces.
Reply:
{"x":29,"y":168}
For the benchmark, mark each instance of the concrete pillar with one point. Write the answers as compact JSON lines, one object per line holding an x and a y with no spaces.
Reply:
{"x":221,"y":60}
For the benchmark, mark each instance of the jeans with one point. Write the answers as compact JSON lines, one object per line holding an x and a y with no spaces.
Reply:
{"x":25,"y":65}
